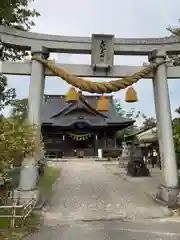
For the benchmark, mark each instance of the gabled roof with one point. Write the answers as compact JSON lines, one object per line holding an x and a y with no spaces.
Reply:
{"x":56,"y":111}
{"x":78,"y":105}
{"x":149,"y":135}
{"x":141,"y":131}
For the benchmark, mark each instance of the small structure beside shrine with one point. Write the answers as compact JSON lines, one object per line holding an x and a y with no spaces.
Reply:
{"x":148,"y":141}
{"x":78,"y":129}
{"x":148,"y":136}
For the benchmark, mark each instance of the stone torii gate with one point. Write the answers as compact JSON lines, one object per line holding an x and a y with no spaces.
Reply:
{"x":102,"y":49}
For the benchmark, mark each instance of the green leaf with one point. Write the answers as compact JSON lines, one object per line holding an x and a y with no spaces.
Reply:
{"x":16,"y":14}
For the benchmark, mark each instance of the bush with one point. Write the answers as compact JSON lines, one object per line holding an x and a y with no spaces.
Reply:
{"x":17,"y":141}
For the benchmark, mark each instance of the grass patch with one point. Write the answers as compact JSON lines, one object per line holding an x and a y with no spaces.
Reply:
{"x":31,"y":224}
{"x":51,"y":174}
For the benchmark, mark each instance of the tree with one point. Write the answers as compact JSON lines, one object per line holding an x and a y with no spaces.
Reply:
{"x":19,"y":109}
{"x":149,"y":122}
{"x":175,"y":31}
{"x":131,"y":114}
{"x":6,"y":95}
{"x":17,"y":141}
{"x":119,"y":109}
{"x":177,"y":110}
{"x":176,"y":133}
{"x":16,"y":14}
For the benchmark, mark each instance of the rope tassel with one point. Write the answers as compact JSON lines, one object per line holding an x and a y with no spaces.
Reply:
{"x":131,"y":95}
{"x":103,"y":104}
{"x":72,"y":95}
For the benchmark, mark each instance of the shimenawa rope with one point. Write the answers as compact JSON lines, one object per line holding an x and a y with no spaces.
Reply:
{"x":97,"y":87}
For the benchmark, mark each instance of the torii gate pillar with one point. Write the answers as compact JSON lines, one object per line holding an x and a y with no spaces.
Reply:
{"x":169,"y":191}
{"x":36,"y":88}
{"x":28,"y":185}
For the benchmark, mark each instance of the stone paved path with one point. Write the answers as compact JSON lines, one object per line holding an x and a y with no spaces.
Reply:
{"x":112,"y":230}
{"x":90,"y":202}
{"x":89,"y":191}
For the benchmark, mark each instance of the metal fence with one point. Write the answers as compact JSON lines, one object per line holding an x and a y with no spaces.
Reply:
{"x":16,"y":211}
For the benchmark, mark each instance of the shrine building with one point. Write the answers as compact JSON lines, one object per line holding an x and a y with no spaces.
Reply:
{"x":80,"y":127}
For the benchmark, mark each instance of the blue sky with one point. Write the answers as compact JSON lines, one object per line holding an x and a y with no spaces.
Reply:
{"x":130,"y":18}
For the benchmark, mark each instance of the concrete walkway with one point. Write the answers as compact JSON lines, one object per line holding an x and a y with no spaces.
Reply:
{"x":110,"y":230}
{"x":88,"y":191}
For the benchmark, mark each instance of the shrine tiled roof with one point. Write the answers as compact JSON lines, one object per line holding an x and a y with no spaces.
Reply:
{"x":56,"y":111}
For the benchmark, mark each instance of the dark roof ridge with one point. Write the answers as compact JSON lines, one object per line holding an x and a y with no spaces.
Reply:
{"x":84,"y":102}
